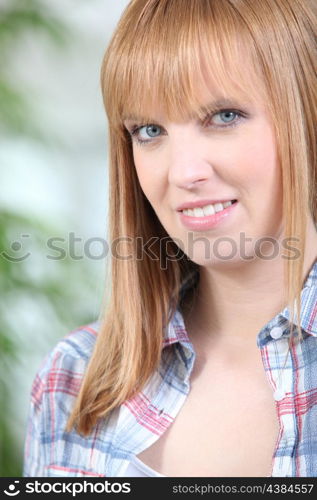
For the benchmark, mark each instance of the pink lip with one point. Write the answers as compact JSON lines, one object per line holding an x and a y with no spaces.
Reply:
{"x":208,"y":221}
{"x":201,"y":203}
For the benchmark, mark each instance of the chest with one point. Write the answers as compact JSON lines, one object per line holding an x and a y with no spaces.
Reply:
{"x":227,"y":427}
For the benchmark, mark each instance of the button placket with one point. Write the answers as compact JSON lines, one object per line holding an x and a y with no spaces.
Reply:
{"x":279,"y":394}
{"x":282,"y":381}
{"x":276,"y":332}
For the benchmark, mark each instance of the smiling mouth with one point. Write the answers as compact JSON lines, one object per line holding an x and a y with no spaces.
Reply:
{"x":208,"y":209}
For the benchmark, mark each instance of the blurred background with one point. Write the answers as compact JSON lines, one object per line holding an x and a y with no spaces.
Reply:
{"x":53,"y":198}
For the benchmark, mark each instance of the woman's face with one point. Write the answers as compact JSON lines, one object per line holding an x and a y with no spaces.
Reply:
{"x":229,"y":155}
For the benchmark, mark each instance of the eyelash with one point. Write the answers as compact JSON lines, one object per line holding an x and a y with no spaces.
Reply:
{"x":134,"y":131}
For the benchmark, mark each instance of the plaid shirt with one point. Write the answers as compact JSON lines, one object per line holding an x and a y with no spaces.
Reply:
{"x":136,"y":424}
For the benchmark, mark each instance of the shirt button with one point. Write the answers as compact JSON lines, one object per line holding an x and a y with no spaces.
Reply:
{"x":279,"y":394}
{"x":276,"y":332}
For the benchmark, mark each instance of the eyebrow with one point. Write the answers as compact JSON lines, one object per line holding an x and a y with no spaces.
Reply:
{"x":206,"y":108}
{"x":221,"y":103}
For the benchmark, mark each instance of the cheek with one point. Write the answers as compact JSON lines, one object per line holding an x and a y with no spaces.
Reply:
{"x":263,"y":184}
{"x":258,"y":165}
{"x":150,"y":175}
{"x":269,"y":172}
{"x":143,"y":170}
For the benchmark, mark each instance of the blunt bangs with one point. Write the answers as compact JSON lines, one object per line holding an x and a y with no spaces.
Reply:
{"x":174,"y":57}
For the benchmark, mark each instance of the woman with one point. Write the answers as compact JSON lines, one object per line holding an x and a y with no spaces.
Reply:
{"x":203,"y":363}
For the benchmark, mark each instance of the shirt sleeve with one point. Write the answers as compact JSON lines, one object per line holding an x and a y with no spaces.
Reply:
{"x":35,"y":448}
{"x":49,"y":450}
{"x":53,"y":393}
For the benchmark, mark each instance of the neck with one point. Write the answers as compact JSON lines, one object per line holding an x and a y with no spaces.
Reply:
{"x":231,"y":306}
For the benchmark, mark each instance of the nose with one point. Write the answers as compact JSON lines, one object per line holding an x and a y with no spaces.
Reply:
{"x":189,"y":166}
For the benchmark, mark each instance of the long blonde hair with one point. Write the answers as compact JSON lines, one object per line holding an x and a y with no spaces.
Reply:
{"x":160,"y":51}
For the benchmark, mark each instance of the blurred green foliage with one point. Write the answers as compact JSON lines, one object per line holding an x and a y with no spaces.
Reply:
{"x":18,"y":18}
{"x":52,"y":285}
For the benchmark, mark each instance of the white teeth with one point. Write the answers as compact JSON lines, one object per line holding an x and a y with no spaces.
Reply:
{"x":218,"y":207}
{"x":227,"y":204}
{"x":198,"y":212}
{"x":207,"y":210}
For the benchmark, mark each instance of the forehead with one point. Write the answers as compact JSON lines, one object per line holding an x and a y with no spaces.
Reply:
{"x":180,"y":87}
{"x":201,"y":97}
{"x":156,"y":112}
{"x":180,"y":69}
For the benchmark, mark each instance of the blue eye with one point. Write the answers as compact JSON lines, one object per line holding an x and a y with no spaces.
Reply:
{"x":226,"y":116}
{"x":149,"y":131}
{"x":145,"y":134}
{"x":219,"y":119}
